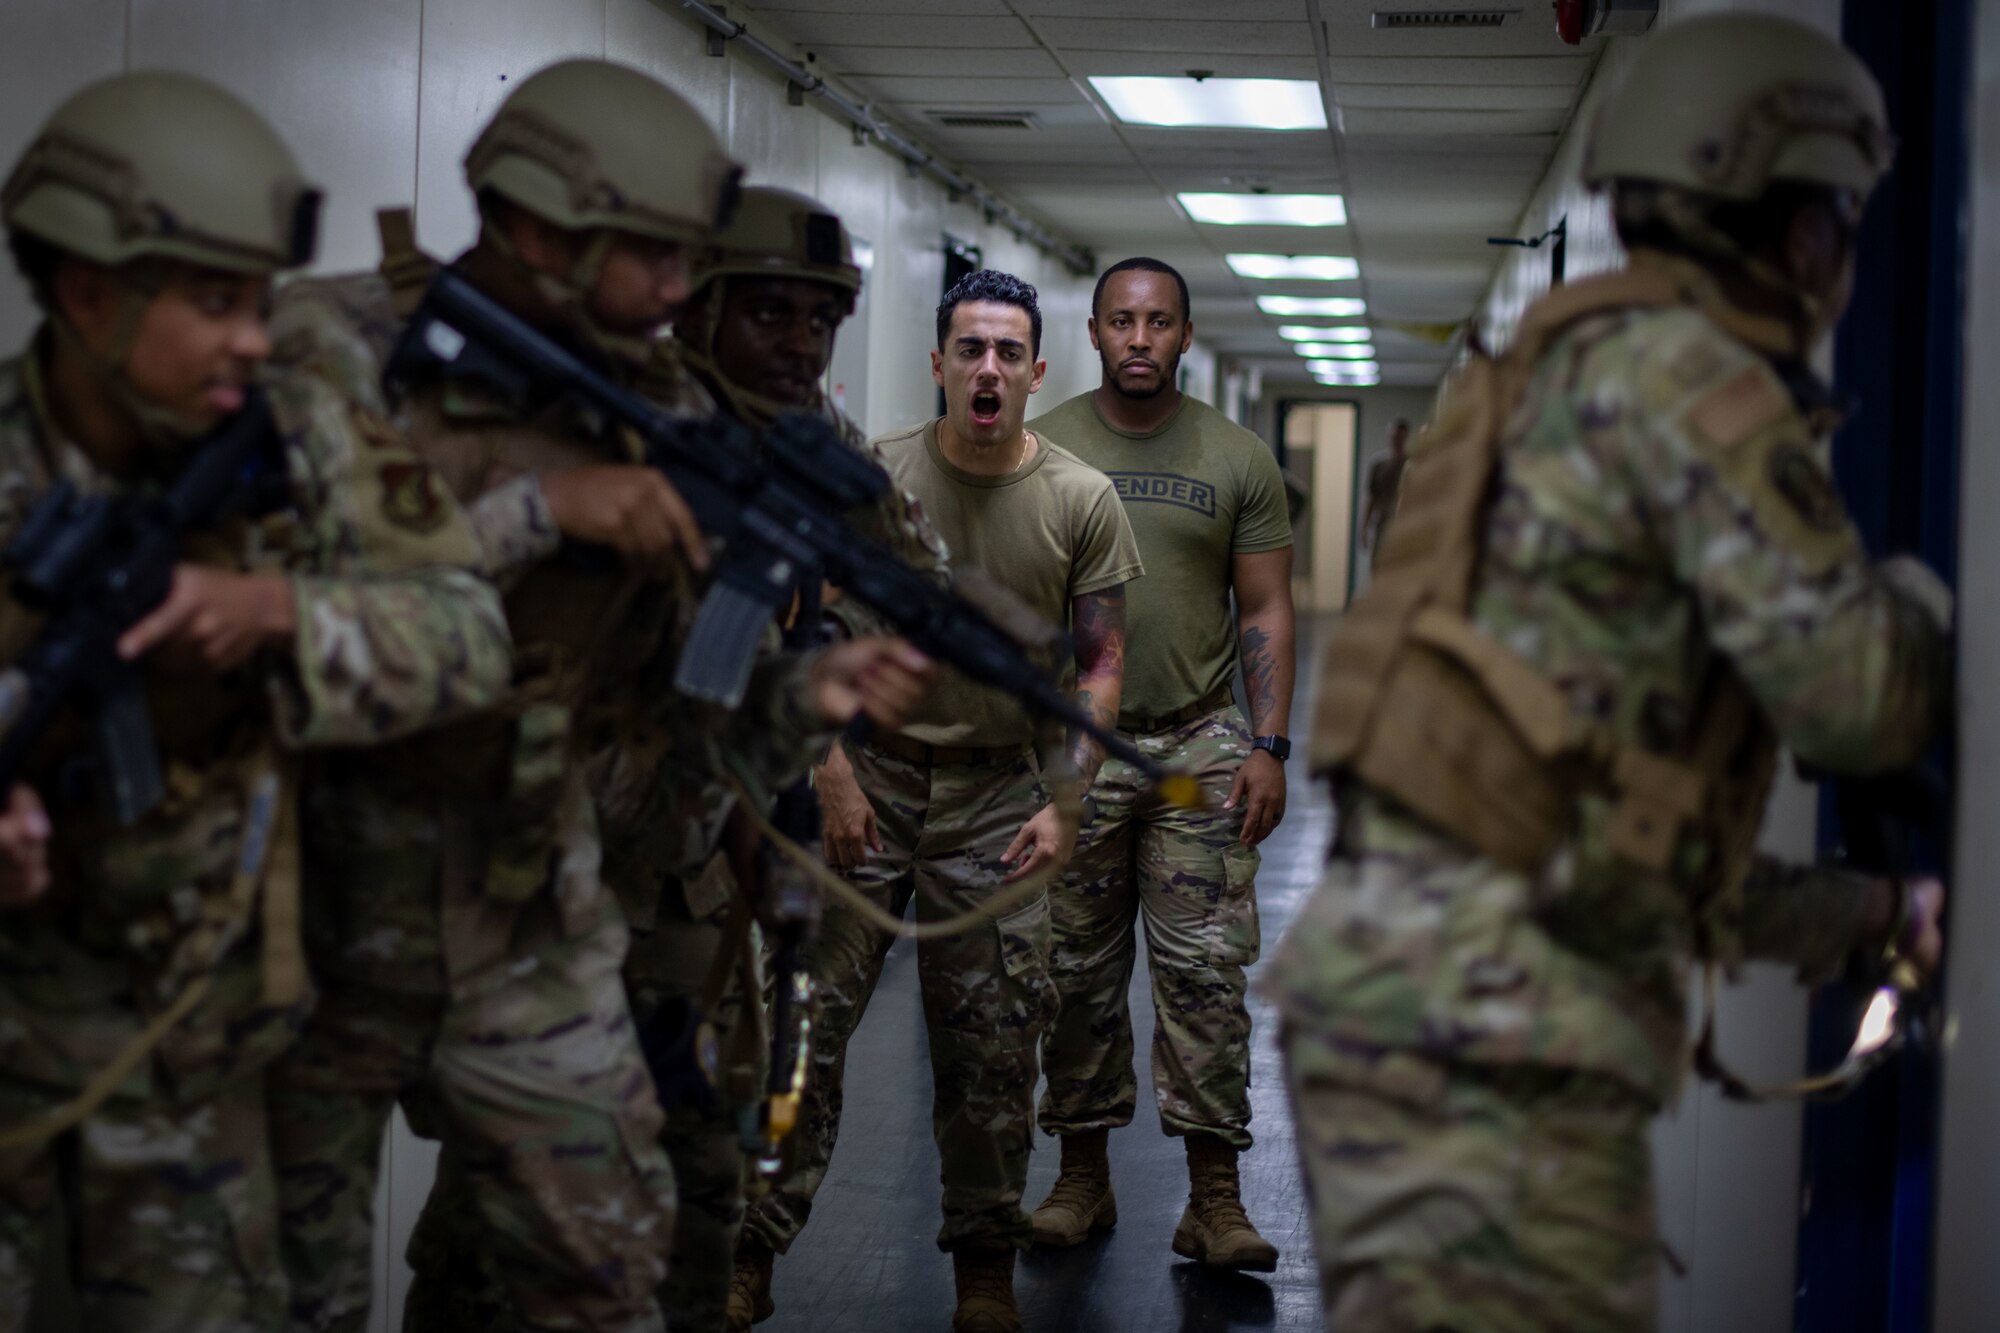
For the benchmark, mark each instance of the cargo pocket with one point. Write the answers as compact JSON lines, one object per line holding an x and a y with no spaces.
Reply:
{"x":1235,"y":937}
{"x":1025,"y":938}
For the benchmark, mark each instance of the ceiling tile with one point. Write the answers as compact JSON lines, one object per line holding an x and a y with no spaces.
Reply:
{"x":1297,"y":63}
{"x":1449,"y":96}
{"x":1561,"y":71}
{"x":1197,"y":40}
{"x":939,"y":90}
{"x":1361,"y":121}
{"x":861,"y":61}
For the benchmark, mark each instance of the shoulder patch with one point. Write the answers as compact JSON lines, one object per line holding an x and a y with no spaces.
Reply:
{"x":1739,"y":407}
{"x":412,"y":497}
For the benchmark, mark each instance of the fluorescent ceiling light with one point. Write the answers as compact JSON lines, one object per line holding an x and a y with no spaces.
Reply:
{"x":1341,"y":369}
{"x":1247,"y":104}
{"x":1317,"y":268}
{"x":1338,"y":351}
{"x":1323,"y":307}
{"x":1269,"y":210}
{"x":1306,"y":333}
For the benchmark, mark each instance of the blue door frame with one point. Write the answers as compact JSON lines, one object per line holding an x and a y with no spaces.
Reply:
{"x":1864,"y":1254}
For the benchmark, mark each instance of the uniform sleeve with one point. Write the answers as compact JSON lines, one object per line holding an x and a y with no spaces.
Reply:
{"x":1107,"y":554}
{"x":1853,"y":674}
{"x":395,"y":629}
{"x":1263,"y":516}
{"x":515,"y":529}
{"x":1808,"y":916}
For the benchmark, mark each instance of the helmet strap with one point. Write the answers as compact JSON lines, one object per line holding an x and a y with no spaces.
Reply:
{"x":158,"y":426}
{"x":569,"y":295}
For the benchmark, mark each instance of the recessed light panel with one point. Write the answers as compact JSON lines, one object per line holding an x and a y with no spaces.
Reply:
{"x":1307,"y":333}
{"x":1267,"y":210}
{"x":1338,"y":351}
{"x":1314,"y":307}
{"x":1244,"y":104}
{"x":1314,"y":268}
{"x":1325,"y":368}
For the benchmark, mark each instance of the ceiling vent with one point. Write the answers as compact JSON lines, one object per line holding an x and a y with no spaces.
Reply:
{"x":1453,"y":20}
{"x":984,"y":120}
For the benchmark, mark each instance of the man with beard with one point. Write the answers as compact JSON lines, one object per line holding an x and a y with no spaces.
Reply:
{"x":1207,"y":504}
{"x":950,"y":807}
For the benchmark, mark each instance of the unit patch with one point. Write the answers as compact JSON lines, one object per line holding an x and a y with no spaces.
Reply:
{"x":410,"y":496}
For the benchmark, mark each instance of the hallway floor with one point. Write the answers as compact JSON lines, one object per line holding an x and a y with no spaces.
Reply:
{"x":868,"y":1262}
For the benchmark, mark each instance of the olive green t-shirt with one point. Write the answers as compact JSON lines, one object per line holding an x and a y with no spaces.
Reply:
{"x":1198,"y":491}
{"x":1052,"y":531}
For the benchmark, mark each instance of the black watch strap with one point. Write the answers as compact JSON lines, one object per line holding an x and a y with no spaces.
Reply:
{"x":1279,"y":746}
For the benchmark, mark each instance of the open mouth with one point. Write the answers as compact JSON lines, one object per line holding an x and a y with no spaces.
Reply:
{"x":985,"y":407}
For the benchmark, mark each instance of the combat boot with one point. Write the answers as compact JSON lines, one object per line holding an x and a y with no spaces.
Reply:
{"x":985,"y":1280}
{"x":750,"y":1287}
{"x":1080,"y":1203}
{"x":1215,"y":1230}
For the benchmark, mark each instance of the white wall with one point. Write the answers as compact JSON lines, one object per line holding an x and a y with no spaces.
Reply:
{"x":1728,"y":1175}
{"x":381,"y":98}
{"x":1967,"y":1286}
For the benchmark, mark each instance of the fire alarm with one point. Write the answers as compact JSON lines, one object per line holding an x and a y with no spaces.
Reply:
{"x":1578,"y":19}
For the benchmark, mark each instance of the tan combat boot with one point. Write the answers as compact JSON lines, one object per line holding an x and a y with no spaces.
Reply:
{"x":1080,"y":1203}
{"x":1215,"y":1230}
{"x":750,"y":1287}
{"x":985,"y":1281}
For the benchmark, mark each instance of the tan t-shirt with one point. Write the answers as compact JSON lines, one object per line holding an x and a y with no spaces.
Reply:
{"x":1198,"y":490}
{"x":1052,"y":531}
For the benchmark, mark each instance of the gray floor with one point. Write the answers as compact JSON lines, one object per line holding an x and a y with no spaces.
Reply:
{"x":868,"y":1260}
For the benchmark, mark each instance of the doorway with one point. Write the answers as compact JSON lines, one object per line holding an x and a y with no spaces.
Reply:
{"x":961,"y":260}
{"x":1319,"y":441}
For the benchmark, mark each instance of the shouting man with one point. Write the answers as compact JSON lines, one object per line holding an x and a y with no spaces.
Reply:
{"x":1207,"y":504}
{"x":949,"y":808}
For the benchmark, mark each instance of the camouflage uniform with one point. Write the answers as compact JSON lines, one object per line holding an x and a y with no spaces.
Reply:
{"x":171,"y":1196}
{"x":1474,"y":1053}
{"x":986,"y":993}
{"x":1195,"y":887}
{"x":676,"y":884}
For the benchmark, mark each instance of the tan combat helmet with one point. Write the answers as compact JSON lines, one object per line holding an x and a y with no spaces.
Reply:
{"x":587,"y":144}
{"x":781,"y":234}
{"x":1726,"y":105}
{"x":164,"y":166}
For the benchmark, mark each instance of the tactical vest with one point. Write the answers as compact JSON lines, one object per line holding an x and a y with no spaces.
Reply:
{"x":1421,"y":704}
{"x":571,"y":620}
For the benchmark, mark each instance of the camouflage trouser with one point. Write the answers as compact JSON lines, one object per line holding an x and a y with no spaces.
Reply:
{"x":169,"y":1212}
{"x":549,"y":1124}
{"x":986,"y":992}
{"x":666,"y":969}
{"x":1185,"y":875}
{"x":1456,"y":1198}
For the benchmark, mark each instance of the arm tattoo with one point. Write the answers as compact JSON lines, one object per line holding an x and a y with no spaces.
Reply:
{"x":1097,"y":623}
{"x":1260,"y":673}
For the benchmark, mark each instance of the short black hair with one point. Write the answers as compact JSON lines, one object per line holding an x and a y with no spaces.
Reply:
{"x":991,"y":285}
{"x":1142,"y":264}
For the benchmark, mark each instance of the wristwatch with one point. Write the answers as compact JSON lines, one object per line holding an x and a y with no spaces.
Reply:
{"x":1279,"y":746}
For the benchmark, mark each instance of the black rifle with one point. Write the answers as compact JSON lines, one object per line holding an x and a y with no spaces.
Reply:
{"x":777,"y":506}
{"x":96,"y":565}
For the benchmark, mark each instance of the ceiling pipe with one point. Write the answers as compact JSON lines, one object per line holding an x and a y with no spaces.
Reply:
{"x":915,"y":157}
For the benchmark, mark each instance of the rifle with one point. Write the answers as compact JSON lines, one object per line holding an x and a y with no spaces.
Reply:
{"x":776,"y":505}
{"x":96,"y":565}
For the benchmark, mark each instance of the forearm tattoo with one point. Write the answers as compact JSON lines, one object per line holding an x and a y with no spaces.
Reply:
{"x":1260,"y":674}
{"x":1097,"y":623}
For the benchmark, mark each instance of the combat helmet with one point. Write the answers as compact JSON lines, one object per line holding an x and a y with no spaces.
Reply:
{"x":1726,"y":105}
{"x":781,"y":234}
{"x":165,"y":166}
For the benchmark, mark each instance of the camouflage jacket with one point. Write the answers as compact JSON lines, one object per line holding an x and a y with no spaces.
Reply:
{"x":394,"y":634}
{"x":496,"y":818}
{"x":664,"y":818}
{"x":1660,"y":501}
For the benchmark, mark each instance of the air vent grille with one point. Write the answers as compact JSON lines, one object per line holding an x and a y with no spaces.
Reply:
{"x":984,"y":120}
{"x":1454,"y":19}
